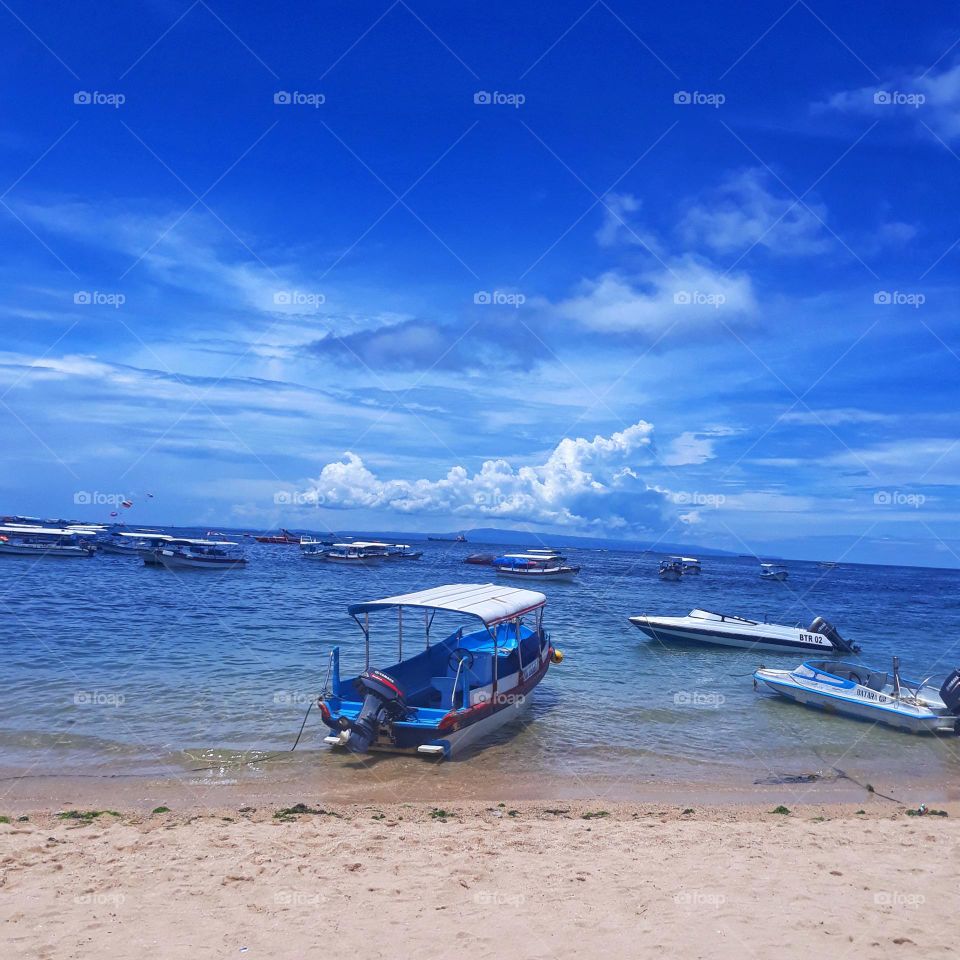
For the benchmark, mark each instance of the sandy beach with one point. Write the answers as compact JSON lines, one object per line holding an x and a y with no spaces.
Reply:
{"x":525,"y":879}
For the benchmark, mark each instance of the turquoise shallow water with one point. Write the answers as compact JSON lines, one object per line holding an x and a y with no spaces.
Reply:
{"x":108,"y":665}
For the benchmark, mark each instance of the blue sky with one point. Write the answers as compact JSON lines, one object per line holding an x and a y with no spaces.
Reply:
{"x":687,"y":274}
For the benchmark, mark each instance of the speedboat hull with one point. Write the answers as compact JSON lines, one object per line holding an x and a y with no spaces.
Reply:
{"x":834,"y":693}
{"x":719,"y":630}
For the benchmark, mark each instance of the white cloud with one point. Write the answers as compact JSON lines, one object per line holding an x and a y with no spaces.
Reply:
{"x":744,"y":211}
{"x":899,"y":98}
{"x":582,"y":484}
{"x":692,"y":448}
{"x":835,"y":417}
{"x":617,"y":227}
{"x":687,"y":295}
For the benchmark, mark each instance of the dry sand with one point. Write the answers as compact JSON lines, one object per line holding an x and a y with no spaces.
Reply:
{"x":520,"y":880}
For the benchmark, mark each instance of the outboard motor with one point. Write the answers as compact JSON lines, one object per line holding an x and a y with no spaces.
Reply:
{"x":826,"y":629}
{"x":950,"y":693}
{"x":383,"y":700}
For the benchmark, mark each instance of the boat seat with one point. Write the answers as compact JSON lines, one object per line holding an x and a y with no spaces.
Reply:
{"x":445,"y":686}
{"x":876,"y":681}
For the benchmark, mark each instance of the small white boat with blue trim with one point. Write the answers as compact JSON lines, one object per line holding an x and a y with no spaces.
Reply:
{"x":536,"y":565}
{"x":773,"y":571}
{"x":455,"y":691}
{"x":725,"y":630}
{"x":856,"y":690}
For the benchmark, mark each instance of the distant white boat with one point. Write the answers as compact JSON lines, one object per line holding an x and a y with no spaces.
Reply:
{"x":44,"y":541}
{"x":539,"y":565}
{"x":182,"y":554}
{"x":130,"y":543}
{"x":690,"y":565}
{"x":671,"y":569}
{"x":357,"y":552}
{"x":773,"y":571}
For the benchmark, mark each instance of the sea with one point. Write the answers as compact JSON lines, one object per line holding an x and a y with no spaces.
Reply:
{"x":112,"y":668}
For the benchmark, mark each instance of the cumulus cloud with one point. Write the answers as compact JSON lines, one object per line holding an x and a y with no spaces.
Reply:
{"x":746,"y":210}
{"x":929,"y":97}
{"x":687,"y":295}
{"x":587,"y":484}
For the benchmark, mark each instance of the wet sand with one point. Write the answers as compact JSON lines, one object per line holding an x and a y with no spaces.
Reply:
{"x":559,"y":880}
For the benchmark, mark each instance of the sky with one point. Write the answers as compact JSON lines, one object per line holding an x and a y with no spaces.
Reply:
{"x":681,"y":274}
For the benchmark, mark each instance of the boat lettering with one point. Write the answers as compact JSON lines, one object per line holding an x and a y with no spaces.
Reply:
{"x":814,"y":638}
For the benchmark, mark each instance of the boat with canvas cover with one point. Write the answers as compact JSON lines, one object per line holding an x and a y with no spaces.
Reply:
{"x":188,"y":554}
{"x":690,"y":566}
{"x":402,"y":551}
{"x":542,"y":565}
{"x":357,"y":552}
{"x":455,"y":691}
{"x":724,"y":630}
{"x":31,"y":541}
{"x":856,"y":690}
{"x":130,"y":543}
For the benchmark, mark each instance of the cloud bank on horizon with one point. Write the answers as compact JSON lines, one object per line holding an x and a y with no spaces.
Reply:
{"x":462,"y":291}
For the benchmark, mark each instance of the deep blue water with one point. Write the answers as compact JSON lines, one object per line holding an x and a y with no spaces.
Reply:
{"x":108,"y":664}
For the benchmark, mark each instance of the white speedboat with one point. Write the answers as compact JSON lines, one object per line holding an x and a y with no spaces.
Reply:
{"x":671,"y":569}
{"x":773,"y":571}
{"x":188,"y":554}
{"x":402,"y":551}
{"x":856,"y":690}
{"x":542,"y":565}
{"x":723,"y":630}
{"x":30,"y":541}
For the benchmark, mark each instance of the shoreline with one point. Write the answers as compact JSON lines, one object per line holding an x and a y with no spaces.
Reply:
{"x":626,"y":879}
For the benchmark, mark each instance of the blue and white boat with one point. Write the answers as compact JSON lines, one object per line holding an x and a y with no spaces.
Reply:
{"x":454,"y":692}
{"x":856,"y":690}
{"x":671,"y":569}
{"x":536,"y":565}
{"x":130,"y":543}
{"x":773,"y":571}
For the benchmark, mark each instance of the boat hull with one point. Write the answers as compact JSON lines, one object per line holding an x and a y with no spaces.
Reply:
{"x":665,"y":632}
{"x":833,"y":701}
{"x":566,"y":574}
{"x":45,"y":550}
{"x":195,"y":563}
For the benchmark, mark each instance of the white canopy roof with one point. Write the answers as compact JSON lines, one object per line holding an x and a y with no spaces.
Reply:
{"x":488,"y":602}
